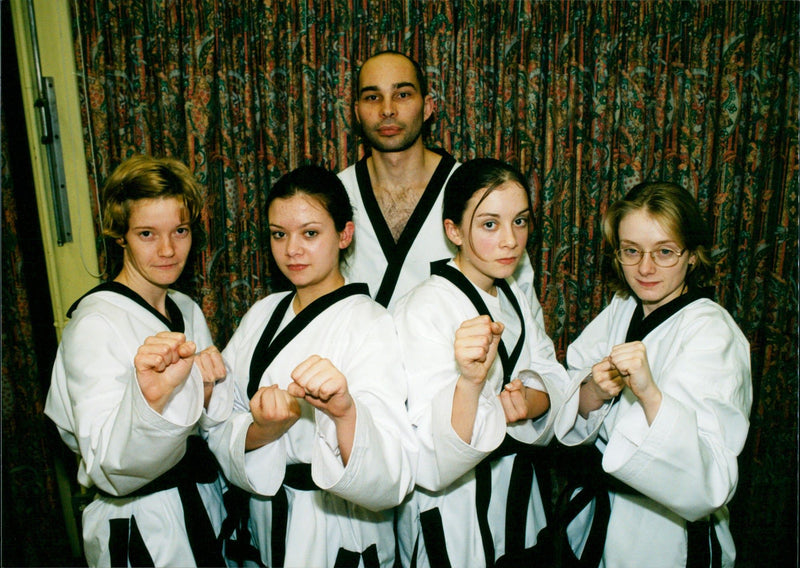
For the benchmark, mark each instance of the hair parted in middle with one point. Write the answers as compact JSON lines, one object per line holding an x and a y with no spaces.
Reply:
{"x":676,"y":210}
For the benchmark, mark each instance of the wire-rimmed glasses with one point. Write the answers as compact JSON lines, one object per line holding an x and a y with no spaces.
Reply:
{"x":663,"y":257}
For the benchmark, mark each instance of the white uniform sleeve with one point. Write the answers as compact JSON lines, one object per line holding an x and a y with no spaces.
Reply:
{"x":686,"y":459}
{"x":548,"y":375}
{"x":262,"y":470}
{"x":122,"y":441}
{"x":427,"y":333}
{"x":221,"y":402}
{"x":382,"y":464}
{"x":591,"y":346}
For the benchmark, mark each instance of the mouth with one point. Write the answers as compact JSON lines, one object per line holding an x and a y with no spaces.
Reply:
{"x":296,"y":267}
{"x":388,"y":130}
{"x":647,"y":284}
{"x":507,"y":261}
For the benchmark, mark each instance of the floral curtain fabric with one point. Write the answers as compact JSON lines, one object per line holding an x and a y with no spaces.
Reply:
{"x":586,"y":98}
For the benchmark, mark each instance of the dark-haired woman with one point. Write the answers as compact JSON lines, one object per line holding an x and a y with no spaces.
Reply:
{"x":133,"y":378}
{"x":664,"y":394}
{"x":319,"y":434}
{"x":483,"y":383}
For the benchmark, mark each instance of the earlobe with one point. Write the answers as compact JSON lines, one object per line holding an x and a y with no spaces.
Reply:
{"x":453,"y":232}
{"x":121,"y":242}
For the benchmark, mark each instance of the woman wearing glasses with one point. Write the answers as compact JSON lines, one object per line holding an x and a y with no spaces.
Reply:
{"x":663,"y":391}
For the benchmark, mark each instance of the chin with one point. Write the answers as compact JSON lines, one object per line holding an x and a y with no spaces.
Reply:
{"x":505,"y":272}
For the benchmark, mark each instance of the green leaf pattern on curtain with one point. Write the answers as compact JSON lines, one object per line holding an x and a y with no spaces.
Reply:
{"x":586,"y":98}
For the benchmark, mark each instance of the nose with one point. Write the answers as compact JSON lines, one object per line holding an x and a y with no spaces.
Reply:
{"x":293,"y":247}
{"x":647,"y":266}
{"x":387,"y":108}
{"x":166,"y":247}
{"x":507,"y":237}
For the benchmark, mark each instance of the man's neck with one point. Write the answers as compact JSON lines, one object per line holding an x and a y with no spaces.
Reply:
{"x":412,"y":167}
{"x":398,"y":180}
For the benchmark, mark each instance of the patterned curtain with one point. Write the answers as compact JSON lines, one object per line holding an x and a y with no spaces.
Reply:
{"x":586,"y":98}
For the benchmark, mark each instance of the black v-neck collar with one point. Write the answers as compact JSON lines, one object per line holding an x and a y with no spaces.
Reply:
{"x":174,"y":322}
{"x":457,"y":278}
{"x":640,"y":326}
{"x":270,"y":344}
{"x":396,"y":252}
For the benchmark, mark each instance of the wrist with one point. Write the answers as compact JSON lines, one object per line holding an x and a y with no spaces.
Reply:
{"x":651,"y":398}
{"x":471,"y":385}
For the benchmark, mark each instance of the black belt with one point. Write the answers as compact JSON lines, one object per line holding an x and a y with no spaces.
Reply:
{"x":198,"y":465}
{"x":298,"y":476}
{"x":349,"y":559}
{"x":519,"y":493}
{"x":589,"y":482}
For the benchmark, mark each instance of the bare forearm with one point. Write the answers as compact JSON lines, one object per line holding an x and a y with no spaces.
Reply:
{"x":588,"y":400}
{"x":465,"y":407}
{"x":538,"y":402}
{"x":345,"y":434}
{"x":651,"y":404}
{"x":258,"y":435}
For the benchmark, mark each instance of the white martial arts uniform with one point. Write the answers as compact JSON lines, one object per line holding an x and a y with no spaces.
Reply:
{"x":124,"y":444}
{"x":353,"y":509}
{"x":683,"y":465}
{"x":427,"y":319}
{"x":392,"y":268}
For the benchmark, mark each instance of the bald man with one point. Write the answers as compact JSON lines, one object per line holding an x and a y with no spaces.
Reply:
{"x":396,"y":190}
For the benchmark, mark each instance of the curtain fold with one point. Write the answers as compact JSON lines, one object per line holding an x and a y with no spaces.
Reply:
{"x":31,"y":510}
{"x":586,"y":98}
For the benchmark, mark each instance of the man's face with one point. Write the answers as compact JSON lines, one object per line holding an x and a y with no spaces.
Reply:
{"x":390,"y":107}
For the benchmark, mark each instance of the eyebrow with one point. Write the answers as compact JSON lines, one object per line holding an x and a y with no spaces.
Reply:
{"x":666,"y":242}
{"x":490,"y":214}
{"x":303,"y":226}
{"x":395,"y":87}
{"x":153,"y":227}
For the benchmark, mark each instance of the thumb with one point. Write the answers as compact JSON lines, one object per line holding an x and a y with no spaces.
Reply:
{"x":497,"y":328}
{"x":296,"y":390}
{"x":187,"y":349}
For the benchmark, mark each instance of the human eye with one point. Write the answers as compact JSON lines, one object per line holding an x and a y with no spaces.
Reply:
{"x":666,"y":254}
{"x":489,"y":225}
{"x":369,"y":97}
{"x":630,"y":252}
{"x":183,"y":231}
{"x":145,"y":234}
{"x":521,"y":221}
{"x":276,"y":235}
{"x":311,"y":233}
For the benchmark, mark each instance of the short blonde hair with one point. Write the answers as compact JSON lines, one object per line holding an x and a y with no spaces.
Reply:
{"x":146,"y":177}
{"x":677,"y":211}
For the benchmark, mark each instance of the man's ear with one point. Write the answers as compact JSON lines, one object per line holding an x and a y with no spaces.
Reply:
{"x":355,"y":113}
{"x":428,"y":107}
{"x":453,"y":232}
